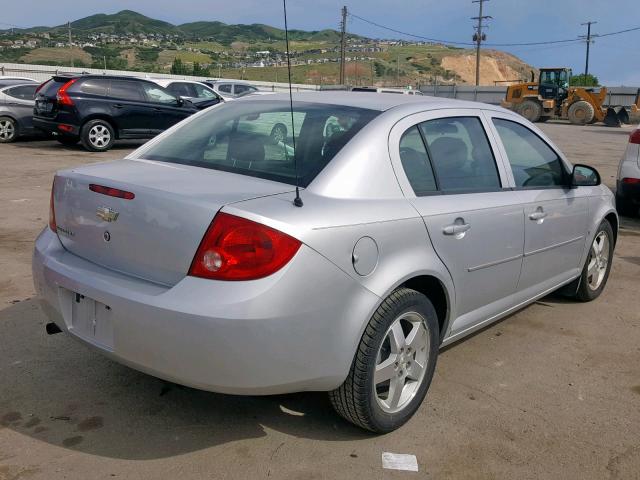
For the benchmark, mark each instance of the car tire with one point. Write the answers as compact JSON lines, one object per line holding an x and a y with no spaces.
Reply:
{"x":531,"y":110}
{"x":278,"y":133}
{"x":67,"y":140}
{"x":597,"y":266}
{"x":97,"y":135}
{"x":581,"y":113}
{"x":370,"y":400}
{"x":8,"y":130}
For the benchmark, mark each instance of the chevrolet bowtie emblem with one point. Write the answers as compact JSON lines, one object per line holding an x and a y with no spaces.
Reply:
{"x":107,"y":214}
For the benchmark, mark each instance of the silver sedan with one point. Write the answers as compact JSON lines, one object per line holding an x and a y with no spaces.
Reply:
{"x":419,"y":221}
{"x":16,"y":110}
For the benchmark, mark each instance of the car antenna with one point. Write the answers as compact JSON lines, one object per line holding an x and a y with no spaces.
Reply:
{"x":296,"y":201}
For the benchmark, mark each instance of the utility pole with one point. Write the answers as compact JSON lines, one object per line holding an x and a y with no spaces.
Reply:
{"x":70,"y":47}
{"x":398,"y":71}
{"x":587,"y":38}
{"x":479,"y":37}
{"x":343,"y":44}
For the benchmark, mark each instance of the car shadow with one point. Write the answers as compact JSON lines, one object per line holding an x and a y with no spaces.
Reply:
{"x":59,"y":391}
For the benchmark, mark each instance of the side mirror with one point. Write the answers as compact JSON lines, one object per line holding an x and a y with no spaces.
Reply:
{"x":585,"y":176}
{"x":180,"y":101}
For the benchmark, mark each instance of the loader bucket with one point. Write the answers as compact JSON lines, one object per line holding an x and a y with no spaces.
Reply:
{"x":611,"y":118}
{"x":623,"y":116}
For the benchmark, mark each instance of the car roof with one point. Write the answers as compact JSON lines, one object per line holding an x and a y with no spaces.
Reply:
{"x":374,"y":101}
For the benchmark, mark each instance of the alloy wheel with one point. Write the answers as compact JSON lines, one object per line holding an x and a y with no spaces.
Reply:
{"x":598,"y":260}
{"x":99,"y":136}
{"x":401,"y":362}
{"x":7,"y":130}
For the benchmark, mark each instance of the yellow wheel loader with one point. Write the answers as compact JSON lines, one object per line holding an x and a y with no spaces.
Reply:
{"x":552,"y":97}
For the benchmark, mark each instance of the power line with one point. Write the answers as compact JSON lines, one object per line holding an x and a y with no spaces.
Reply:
{"x":453,"y":42}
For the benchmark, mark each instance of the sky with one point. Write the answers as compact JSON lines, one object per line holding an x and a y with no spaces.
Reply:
{"x":615,"y":60}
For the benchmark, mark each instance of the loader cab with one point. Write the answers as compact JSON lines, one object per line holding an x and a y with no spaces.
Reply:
{"x":554,"y":83}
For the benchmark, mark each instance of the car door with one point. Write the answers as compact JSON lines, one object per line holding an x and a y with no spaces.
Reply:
{"x":167,"y":109}
{"x":20,"y":102}
{"x":132,"y":114}
{"x":449,"y":171}
{"x":555,"y":214}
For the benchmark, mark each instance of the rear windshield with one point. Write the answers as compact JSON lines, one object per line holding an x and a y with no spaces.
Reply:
{"x":256,"y":139}
{"x":51,"y":87}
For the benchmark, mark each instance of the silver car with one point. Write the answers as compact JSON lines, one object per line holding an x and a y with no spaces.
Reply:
{"x":628,"y":184}
{"x":419,"y":221}
{"x":16,"y":111}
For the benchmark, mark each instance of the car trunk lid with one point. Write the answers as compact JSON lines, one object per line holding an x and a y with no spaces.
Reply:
{"x":155,"y":234}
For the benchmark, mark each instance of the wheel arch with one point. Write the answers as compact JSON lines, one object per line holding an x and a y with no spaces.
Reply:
{"x":106,"y":118}
{"x":612,"y":218}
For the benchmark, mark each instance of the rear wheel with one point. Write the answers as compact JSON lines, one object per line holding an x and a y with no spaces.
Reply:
{"x":67,"y":140}
{"x":393,"y":366}
{"x":8,"y":130}
{"x":581,"y":113}
{"x":97,"y":135}
{"x":598,"y":265}
{"x":531,"y":110}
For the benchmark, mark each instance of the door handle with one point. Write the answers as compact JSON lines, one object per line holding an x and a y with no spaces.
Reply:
{"x":456,"y":229}
{"x":118,"y":105}
{"x":539,"y":214}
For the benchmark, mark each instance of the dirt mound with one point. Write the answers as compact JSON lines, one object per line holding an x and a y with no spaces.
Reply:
{"x":494,"y":67}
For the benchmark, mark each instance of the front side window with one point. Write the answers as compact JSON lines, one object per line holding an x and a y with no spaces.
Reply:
{"x":461,"y":154}
{"x":157,"y":94}
{"x":180,"y":89}
{"x":202,"y":91}
{"x":256,"y":139}
{"x":416,"y":164}
{"x":534,"y":164}
{"x":225,"y":88}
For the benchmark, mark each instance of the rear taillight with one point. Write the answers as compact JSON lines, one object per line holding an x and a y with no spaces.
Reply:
{"x":635,"y":137}
{"x":62,"y":96}
{"x":235,"y":248}
{"x":52,"y":211}
{"x":631,"y":181}
{"x":112,"y":192}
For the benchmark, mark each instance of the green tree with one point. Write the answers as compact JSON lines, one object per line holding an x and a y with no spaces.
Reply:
{"x":582,"y":81}
{"x":179,"y":68}
{"x":199,"y":70}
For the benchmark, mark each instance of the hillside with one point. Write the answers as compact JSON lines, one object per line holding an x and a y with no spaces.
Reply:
{"x":128,"y":40}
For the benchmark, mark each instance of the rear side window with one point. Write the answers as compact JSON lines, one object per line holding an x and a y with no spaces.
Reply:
{"x":256,"y":139}
{"x":460,"y":154}
{"x":95,"y":86}
{"x":416,"y":164}
{"x":25,"y":92}
{"x":534,"y":164}
{"x":125,"y":90}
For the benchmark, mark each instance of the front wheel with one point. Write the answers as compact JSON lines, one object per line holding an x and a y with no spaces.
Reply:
{"x":598,"y":265}
{"x":8,"y":130}
{"x":97,"y":135}
{"x":393,"y":365}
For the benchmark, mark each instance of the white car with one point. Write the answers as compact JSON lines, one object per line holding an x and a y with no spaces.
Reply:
{"x":628,"y":184}
{"x":201,"y":95}
{"x":233,"y":88}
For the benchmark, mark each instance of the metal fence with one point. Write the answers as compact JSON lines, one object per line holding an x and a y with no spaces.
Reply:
{"x":617,"y":96}
{"x":42,"y":73}
{"x":622,"y":96}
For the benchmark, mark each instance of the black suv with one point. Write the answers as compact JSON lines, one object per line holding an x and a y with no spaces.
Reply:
{"x":98,"y":109}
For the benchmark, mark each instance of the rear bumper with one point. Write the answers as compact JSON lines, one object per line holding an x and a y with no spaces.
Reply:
{"x":51,"y":126}
{"x":296,"y":330}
